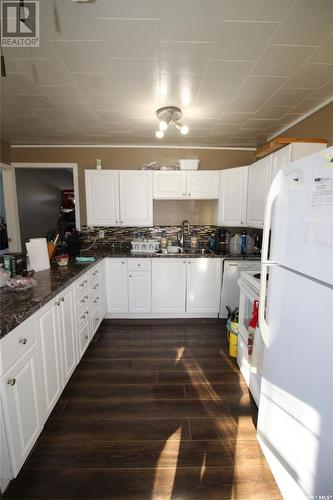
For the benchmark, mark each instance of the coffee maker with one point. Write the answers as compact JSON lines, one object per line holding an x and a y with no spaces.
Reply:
{"x":222,"y":241}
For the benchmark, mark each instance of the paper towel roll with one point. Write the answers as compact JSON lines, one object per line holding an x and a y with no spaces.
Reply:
{"x":38,"y":254}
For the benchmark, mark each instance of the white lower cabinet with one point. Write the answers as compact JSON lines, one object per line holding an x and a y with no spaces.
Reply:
{"x":116,"y":286}
{"x":203,"y":286}
{"x":48,"y":340}
{"x":21,"y":389}
{"x":139,"y":292}
{"x":168,"y":285}
{"x":83,"y":338}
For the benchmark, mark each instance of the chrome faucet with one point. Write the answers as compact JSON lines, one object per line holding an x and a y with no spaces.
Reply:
{"x":187,"y":224}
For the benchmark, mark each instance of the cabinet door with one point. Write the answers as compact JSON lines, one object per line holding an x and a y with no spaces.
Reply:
{"x":102,"y":282}
{"x":259,"y":180}
{"x":203,"y":285}
{"x":102,"y":197}
{"x":139,"y":292}
{"x":203,"y":185}
{"x":49,"y":355}
{"x":83,"y":338}
{"x":67,"y":334}
{"x":21,"y":391}
{"x":168,"y":285}
{"x":169,"y":185}
{"x":136,"y":198}
{"x":233,"y":197}
{"x":116,"y":286}
{"x":280,"y":158}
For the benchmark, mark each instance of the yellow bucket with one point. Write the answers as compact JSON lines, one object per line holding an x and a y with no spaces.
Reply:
{"x":233,"y":339}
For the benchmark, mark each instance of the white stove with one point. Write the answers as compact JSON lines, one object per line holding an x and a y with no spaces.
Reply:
{"x":251,"y":277}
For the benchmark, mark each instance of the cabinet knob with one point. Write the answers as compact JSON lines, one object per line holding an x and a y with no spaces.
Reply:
{"x":189,"y":194}
{"x":184,"y":261}
{"x":130,"y":276}
{"x":23,"y":341}
{"x":121,"y":222}
{"x":62,"y":299}
{"x":117,"y":222}
{"x":57,"y":302}
{"x":86,"y":337}
{"x":123,"y":262}
{"x":96,"y":319}
{"x":11,"y":381}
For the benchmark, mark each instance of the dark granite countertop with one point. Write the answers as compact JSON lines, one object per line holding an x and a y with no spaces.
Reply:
{"x":15,"y":307}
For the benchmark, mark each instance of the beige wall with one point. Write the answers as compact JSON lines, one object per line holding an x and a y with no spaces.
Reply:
{"x":4,"y":153}
{"x":130,"y":158}
{"x":318,"y":125}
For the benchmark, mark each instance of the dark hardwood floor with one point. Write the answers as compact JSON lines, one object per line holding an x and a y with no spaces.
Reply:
{"x":155,"y":410}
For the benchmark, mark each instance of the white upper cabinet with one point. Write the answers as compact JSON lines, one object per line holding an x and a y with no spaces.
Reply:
{"x":102,"y":197}
{"x":259,"y":180}
{"x":233,"y":197}
{"x":203,"y":286}
{"x":175,"y":185}
{"x":292,"y":152}
{"x":169,"y":185}
{"x":136,"y":198}
{"x":119,"y":198}
{"x":203,"y":184}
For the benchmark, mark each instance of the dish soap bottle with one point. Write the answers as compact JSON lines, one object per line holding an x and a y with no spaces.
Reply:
{"x":243,"y":242}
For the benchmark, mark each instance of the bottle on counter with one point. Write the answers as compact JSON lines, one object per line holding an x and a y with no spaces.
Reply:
{"x":243,"y":242}
{"x":235,"y":244}
{"x":164,"y":241}
{"x":194,"y":239}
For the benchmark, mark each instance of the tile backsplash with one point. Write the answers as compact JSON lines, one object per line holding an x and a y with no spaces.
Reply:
{"x":122,"y":236}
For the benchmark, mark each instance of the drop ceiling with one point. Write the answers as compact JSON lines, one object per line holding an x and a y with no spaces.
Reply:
{"x":241,"y":70}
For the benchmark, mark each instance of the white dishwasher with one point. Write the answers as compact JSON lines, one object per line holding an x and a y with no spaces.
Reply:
{"x":231,"y":274}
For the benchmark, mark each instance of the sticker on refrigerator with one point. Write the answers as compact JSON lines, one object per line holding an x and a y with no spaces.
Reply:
{"x":319,"y":227}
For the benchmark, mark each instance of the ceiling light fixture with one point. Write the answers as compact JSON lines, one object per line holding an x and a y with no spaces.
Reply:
{"x":167,"y":116}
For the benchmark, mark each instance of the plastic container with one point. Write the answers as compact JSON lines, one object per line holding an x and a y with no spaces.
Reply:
{"x":232,"y":332}
{"x":235,"y":245}
{"x":189,"y":164}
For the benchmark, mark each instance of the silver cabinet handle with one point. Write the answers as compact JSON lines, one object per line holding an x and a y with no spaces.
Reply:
{"x":96,"y":319}
{"x":57,"y":302}
{"x":11,"y":381}
{"x":81,"y":284}
{"x":23,"y":341}
{"x":189,"y":194}
{"x":86,"y":281}
{"x":130,"y":276}
{"x":62,"y":299}
{"x":86,"y":337}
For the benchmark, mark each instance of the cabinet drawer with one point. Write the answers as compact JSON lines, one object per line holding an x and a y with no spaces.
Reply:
{"x":139,"y":264}
{"x":93,"y":273}
{"x":95,"y":288}
{"x":83,"y":315}
{"x":95,"y":299}
{"x":16,"y":343}
{"x":81,"y":284}
{"x":82,"y":300}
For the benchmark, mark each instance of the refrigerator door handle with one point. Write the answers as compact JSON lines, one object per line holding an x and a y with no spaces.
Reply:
{"x":265,"y":263}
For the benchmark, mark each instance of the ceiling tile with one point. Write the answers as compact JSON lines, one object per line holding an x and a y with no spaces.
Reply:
{"x":260,"y":86}
{"x":77,"y":110}
{"x":18,"y":84}
{"x":241,"y":41}
{"x":255,"y":10}
{"x":227,"y":73}
{"x":51,"y":115}
{"x":131,"y":38}
{"x":136,"y":71}
{"x":188,"y":20}
{"x":281,"y":60}
{"x":112,"y":116}
{"x":35,"y":102}
{"x":246,"y":105}
{"x":238,"y":118}
{"x":324,"y":54}
{"x":83,"y":56}
{"x":326,"y":91}
{"x":212,"y":101}
{"x":140,"y":101}
{"x":62,"y":94}
{"x":127,"y":9}
{"x":184,"y":57}
{"x":49,"y":71}
{"x":66,"y":20}
{"x":97,"y":83}
{"x":14,"y":108}
{"x":272,"y":112}
{"x":310,"y":76}
{"x":180,"y":89}
{"x":289,"y":97}
{"x":257,"y":124}
{"x":307,"y":105}
{"x":226,"y":128}
{"x":308,"y":23}
{"x":112,"y":102}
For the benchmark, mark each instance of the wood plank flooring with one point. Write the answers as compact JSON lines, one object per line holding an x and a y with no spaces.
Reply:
{"x":156,"y":410}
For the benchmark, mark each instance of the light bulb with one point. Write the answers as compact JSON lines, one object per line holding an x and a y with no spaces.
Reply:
{"x":163,"y":125}
{"x":184,"y":129}
{"x":159,"y":134}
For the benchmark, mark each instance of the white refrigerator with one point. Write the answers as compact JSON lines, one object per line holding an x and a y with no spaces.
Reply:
{"x":295,"y":420}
